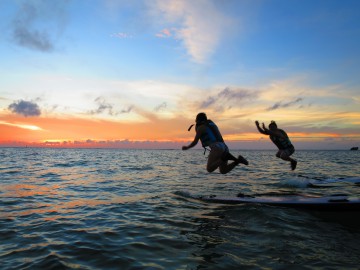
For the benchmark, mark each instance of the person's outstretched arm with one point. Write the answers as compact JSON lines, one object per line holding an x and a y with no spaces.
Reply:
{"x":261,"y":130}
{"x":194,"y":142}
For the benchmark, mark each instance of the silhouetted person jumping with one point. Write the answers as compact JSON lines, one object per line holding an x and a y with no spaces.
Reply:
{"x":281,"y":140}
{"x":209,"y":135}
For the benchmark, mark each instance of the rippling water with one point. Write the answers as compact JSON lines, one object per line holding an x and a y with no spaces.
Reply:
{"x":118,"y":209}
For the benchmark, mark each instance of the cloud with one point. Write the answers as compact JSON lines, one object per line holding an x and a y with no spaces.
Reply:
{"x":165,"y":33}
{"x":280,"y":104}
{"x":199,"y":25}
{"x":127,"y":110}
{"x":121,"y":35}
{"x":26,"y":108}
{"x":228,"y":98}
{"x":33,"y":40}
{"x":23,"y":126}
{"x":36,"y":23}
{"x":103,"y":106}
{"x":160,"y":107}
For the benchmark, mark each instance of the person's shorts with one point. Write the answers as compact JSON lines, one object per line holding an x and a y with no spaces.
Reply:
{"x":218,"y":149}
{"x":287,"y":151}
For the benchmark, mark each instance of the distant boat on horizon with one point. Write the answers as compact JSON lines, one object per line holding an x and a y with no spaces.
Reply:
{"x":354,"y":148}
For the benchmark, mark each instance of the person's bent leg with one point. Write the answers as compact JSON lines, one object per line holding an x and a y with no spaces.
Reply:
{"x":213,"y":165}
{"x":286,"y":157}
{"x":225,"y":168}
{"x":214,"y":159}
{"x":242,"y":160}
{"x":228,"y":156}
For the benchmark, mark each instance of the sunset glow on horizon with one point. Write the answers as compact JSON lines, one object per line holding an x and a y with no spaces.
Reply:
{"x":134,"y":74}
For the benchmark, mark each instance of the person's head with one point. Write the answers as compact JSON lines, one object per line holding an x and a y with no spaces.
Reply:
{"x":201,"y":117}
{"x":272,"y":125}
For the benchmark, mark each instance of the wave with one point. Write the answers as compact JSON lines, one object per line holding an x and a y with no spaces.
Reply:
{"x":303,"y":182}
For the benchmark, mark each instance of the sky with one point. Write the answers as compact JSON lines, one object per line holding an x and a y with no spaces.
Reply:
{"x":134,"y":74}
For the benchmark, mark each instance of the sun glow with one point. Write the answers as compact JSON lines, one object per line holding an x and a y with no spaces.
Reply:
{"x":24,"y":126}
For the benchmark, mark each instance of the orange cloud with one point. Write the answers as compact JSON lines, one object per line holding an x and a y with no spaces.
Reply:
{"x":31,"y":127}
{"x":55,"y":130}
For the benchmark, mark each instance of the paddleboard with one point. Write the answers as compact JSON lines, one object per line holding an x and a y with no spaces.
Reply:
{"x":327,"y":203}
{"x":334,"y":182}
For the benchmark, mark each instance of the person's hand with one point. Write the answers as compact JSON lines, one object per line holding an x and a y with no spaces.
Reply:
{"x":263,"y":126}
{"x":257,"y":122}
{"x":185,"y":148}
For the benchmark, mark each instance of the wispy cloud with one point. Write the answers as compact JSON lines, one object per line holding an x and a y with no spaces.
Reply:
{"x":103,"y":106}
{"x":33,"y":26}
{"x":121,"y":35}
{"x":23,"y":126}
{"x":160,"y":107}
{"x":25,"y":108}
{"x":281,"y":104}
{"x":227,"y":98}
{"x":128,"y":109}
{"x":200,"y":25}
{"x":165,"y":33}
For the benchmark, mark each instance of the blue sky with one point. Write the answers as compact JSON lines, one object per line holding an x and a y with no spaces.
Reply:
{"x":143,"y":62}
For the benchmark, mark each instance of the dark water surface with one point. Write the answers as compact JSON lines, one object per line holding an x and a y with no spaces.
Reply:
{"x":118,"y":209}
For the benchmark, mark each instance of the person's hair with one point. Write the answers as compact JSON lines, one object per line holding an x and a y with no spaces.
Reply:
{"x":272,"y":124}
{"x":201,"y":117}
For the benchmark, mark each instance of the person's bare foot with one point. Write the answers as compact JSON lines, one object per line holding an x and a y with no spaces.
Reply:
{"x":293,"y":164}
{"x":242,"y":160}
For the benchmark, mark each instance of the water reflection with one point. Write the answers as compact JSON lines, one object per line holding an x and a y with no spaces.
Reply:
{"x":232,"y":233}
{"x":27,"y":190}
{"x":57,"y":200}
{"x":115,"y":209}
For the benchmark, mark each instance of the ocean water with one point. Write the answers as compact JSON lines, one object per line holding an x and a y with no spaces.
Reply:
{"x":119,"y":209}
